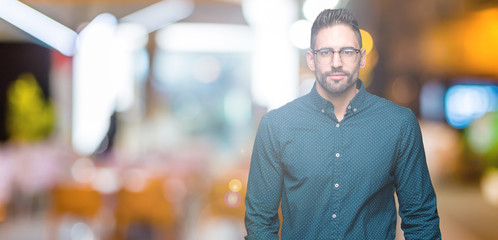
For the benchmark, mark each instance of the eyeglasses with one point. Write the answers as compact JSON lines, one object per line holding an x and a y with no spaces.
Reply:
{"x":325,"y":55}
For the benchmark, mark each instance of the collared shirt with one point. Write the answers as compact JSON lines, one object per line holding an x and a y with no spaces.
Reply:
{"x":336,"y":180}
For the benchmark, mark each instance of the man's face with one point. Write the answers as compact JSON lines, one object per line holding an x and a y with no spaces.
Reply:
{"x":336,"y":77}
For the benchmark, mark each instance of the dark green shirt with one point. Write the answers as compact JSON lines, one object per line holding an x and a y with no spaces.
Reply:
{"x":336,"y":180}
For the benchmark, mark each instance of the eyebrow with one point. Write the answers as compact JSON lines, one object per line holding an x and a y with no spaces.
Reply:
{"x":328,"y":48}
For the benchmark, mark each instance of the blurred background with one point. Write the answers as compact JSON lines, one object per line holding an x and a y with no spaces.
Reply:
{"x":135,"y":119}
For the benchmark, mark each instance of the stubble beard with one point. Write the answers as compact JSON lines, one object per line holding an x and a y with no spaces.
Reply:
{"x":332,"y":88}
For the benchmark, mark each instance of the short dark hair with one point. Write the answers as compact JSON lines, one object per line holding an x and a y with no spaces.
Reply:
{"x":330,"y":17}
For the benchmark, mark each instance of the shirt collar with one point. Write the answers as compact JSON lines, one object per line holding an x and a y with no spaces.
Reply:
{"x":356,"y":103}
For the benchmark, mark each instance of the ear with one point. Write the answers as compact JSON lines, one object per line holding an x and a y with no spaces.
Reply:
{"x":310,"y":60}
{"x":363,"y":60}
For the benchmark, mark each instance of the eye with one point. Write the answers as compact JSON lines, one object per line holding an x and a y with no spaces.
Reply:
{"x":325,"y":52}
{"x":348,"y":52}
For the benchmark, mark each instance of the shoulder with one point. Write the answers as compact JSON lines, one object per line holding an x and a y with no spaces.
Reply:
{"x":391,"y":115}
{"x":390,"y":109}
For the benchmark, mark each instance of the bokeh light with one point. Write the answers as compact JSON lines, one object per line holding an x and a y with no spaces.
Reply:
{"x":263,"y":12}
{"x":135,"y":180}
{"x":83,"y":170}
{"x":311,"y":8}
{"x":463,"y":45}
{"x":235,"y":185}
{"x":482,"y":137}
{"x":366,"y":41}
{"x":232,"y":199}
{"x":106,"y":181}
{"x":465,"y":103}
{"x":299,"y":34}
{"x":489,"y":186}
{"x":81,"y":231}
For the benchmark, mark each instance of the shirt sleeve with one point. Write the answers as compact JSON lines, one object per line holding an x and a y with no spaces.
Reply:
{"x":264,"y":186}
{"x":416,"y":196}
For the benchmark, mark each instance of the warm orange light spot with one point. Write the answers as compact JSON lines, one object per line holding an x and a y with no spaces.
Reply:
{"x":235,"y":185}
{"x":465,"y":46}
{"x":479,"y":36}
{"x":366,"y":40}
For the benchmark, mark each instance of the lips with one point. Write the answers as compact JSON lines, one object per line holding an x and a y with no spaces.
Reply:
{"x":337,"y":76}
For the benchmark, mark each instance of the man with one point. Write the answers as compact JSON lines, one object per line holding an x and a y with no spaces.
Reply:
{"x":334,"y":158}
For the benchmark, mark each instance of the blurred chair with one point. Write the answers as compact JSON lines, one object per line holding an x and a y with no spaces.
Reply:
{"x":144,"y":214}
{"x":2,"y":212}
{"x":79,"y":202}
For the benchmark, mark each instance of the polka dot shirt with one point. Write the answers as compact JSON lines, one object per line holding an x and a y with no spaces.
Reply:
{"x":336,"y":179}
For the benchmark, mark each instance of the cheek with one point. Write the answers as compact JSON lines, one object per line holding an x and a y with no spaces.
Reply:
{"x":356,"y":72}
{"x":320,"y":70}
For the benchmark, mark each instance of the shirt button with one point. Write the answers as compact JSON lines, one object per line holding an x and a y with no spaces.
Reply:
{"x":349,"y":107}
{"x":323,"y":111}
{"x":354,"y":110}
{"x":337,"y":155}
{"x":337,"y":125}
{"x":334,"y":216}
{"x":336,"y":185}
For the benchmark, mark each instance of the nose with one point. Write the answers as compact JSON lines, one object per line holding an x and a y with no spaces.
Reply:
{"x":336,"y":60}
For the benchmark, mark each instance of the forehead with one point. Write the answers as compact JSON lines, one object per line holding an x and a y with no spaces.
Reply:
{"x":336,"y":37}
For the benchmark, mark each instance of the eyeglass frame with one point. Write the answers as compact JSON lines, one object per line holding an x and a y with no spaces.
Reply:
{"x":315,"y":52}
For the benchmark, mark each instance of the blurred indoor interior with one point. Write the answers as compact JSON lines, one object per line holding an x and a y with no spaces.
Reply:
{"x":135,"y":119}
